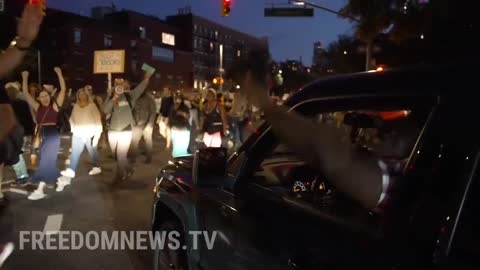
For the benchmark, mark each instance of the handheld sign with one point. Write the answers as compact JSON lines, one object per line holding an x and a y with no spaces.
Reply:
{"x":109,"y":61}
{"x":148,"y":68}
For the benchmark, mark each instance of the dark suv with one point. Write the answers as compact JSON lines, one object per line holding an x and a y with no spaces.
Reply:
{"x":271,"y":210}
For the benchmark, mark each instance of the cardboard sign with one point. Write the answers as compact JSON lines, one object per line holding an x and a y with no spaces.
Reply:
{"x":148,"y":68}
{"x":109,"y":61}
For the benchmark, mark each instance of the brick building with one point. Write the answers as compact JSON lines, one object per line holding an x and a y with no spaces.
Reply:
{"x":70,"y":40}
{"x":204,"y":38}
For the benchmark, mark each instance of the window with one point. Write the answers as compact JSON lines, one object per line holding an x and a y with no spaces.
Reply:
{"x":195,"y":43}
{"x":142,"y":32}
{"x":216,"y":34}
{"x":239,"y":53}
{"x":133,"y":43}
{"x":168,"y":39}
{"x":385,"y":133}
{"x":107,"y":41}
{"x":211,"y":46}
{"x":163,"y":54}
{"x":77,"y":36}
{"x":158,"y":76}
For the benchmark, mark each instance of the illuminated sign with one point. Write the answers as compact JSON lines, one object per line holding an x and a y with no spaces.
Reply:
{"x":168,"y":39}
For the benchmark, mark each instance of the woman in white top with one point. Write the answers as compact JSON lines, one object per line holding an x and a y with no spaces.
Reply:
{"x":86,"y":127}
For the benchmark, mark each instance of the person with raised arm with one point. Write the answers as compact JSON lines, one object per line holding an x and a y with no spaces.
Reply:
{"x":47,"y":109}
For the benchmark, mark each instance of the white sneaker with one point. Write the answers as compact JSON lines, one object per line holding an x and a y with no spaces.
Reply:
{"x":37,"y":195}
{"x":68,"y":173}
{"x":95,"y":171}
{"x":62,"y":182}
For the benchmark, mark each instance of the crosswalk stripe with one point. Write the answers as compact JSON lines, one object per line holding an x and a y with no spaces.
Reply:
{"x":18,"y":191}
{"x":7,"y":182}
{"x":53,"y":224}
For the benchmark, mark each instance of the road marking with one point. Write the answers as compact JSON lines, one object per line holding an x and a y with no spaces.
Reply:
{"x":18,"y":191}
{"x":53,"y":224}
{"x":7,"y":250}
{"x":8,"y":182}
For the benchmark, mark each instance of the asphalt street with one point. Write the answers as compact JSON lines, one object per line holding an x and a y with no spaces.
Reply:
{"x":91,"y":203}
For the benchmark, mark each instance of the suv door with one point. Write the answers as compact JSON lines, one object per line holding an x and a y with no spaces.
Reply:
{"x":243,"y":238}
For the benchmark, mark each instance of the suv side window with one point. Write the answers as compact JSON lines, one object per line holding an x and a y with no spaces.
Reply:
{"x":386,"y":130}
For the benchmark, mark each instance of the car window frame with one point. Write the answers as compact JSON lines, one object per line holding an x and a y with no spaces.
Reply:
{"x":340,"y":101}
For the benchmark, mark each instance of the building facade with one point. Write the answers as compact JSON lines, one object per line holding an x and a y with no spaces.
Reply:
{"x":319,"y":60}
{"x":212,"y":43}
{"x":70,"y":40}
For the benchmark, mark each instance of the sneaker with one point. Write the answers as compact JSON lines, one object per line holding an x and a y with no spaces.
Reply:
{"x":36,"y":195}
{"x":68,"y":173}
{"x":62,"y":182}
{"x":95,"y":171}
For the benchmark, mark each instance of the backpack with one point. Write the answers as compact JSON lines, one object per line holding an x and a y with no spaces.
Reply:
{"x":13,"y":145}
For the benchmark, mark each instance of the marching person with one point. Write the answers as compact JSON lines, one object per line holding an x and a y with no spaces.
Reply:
{"x":86,"y":127}
{"x":165,"y":108}
{"x":120,"y":104}
{"x":27,"y":30}
{"x":98,"y":101}
{"x":214,"y":121}
{"x":178,"y":138}
{"x":24,"y":118}
{"x":145,"y":114}
{"x":47,"y":111}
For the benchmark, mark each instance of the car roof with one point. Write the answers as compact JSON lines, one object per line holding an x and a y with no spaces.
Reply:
{"x":424,"y":80}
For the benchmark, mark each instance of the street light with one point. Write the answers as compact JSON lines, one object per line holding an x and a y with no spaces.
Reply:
{"x":238,"y":86}
{"x":280,"y":71}
{"x":345,"y":52}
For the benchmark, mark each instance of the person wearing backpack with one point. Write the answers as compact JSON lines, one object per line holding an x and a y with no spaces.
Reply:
{"x":119,"y":104}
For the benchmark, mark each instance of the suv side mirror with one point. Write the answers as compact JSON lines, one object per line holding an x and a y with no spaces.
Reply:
{"x":209,"y":166}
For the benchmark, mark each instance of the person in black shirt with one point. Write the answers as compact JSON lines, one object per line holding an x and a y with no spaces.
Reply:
{"x":27,"y":30}
{"x":25,"y":119}
{"x":178,"y":121}
{"x":165,"y":107}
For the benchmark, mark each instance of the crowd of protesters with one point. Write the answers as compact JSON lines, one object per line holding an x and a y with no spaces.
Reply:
{"x":35,"y":116}
{"x":125,"y":116}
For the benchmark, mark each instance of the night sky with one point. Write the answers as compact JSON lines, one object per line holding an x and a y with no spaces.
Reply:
{"x":290,"y":38}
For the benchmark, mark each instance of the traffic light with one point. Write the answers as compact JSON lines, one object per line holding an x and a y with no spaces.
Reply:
{"x":226,"y":7}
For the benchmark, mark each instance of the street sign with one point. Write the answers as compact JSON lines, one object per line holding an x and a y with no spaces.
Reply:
{"x":109,"y":61}
{"x":289,"y":12}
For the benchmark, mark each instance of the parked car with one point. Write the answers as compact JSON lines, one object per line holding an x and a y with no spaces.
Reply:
{"x":273,"y":211}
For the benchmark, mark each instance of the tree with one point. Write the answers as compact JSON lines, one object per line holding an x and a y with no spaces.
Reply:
{"x":342,"y":56}
{"x":373,"y":17}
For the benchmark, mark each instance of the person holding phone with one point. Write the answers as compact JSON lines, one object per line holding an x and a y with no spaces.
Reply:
{"x":120,"y":105}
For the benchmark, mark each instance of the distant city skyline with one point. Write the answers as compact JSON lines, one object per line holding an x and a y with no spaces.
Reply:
{"x":289,"y":38}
